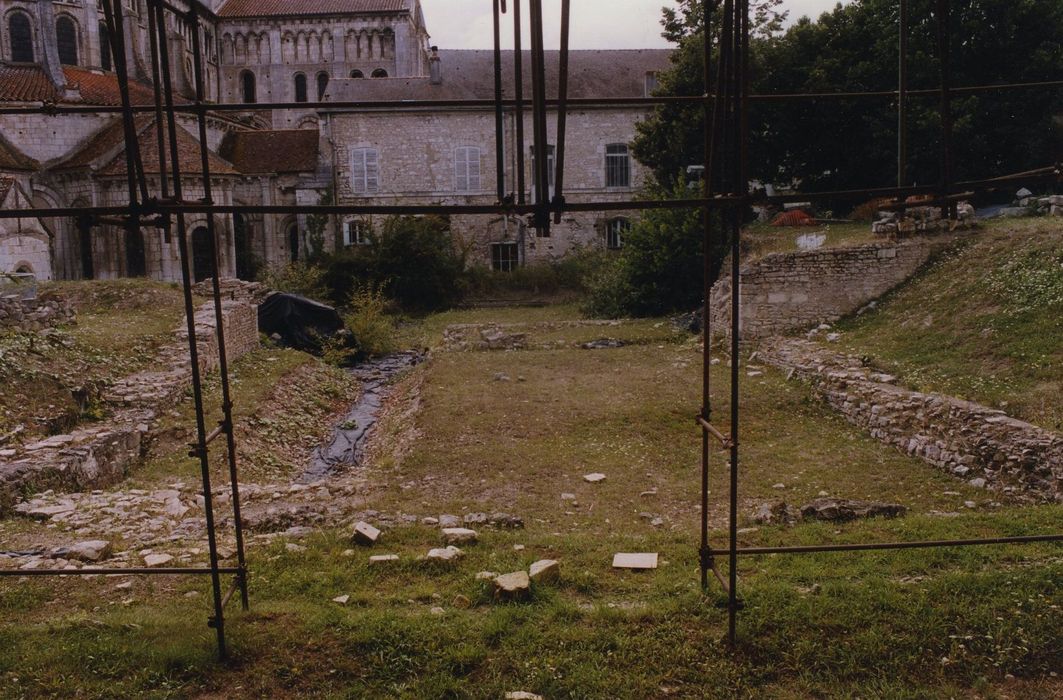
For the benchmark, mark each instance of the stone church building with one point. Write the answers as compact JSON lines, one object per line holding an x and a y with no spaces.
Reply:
{"x":376,"y":53}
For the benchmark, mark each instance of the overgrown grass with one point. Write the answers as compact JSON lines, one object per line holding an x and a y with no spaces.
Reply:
{"x":984,"y":322}
{"x":762,"y":239}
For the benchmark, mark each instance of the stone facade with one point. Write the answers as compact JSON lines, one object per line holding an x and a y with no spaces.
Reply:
{"x":983,"y":446}
{"x":313,"y":52}
{"x":34,"y":314}
{"x":784,"y":292}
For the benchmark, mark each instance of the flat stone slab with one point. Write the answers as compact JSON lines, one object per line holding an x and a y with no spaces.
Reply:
{"x":512,"y":586}
{"x":594,"y":478}
{"x":365,"y":534}
{"x":341,"y":599}
{"x":640,"y":561}
{"x":450,"y":553}
{"x":90,"y":551}
{"x":522,"y":695}
{"x":544,"y":571}
{"x":382,"y":559}
{"x":459,"y":535}
{"x":154,"y":560}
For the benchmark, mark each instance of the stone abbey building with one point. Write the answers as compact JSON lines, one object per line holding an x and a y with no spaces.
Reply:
{"x":308,"y":52}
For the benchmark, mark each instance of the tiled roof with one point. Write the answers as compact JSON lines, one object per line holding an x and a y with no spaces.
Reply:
{"x":102,"y":88}
{"x":103,"y":142}
{"x":13,"y":159}
{"x":25,"y":83}
{"x":470,"y":75}
{"x":29,"y":83}
{"x":274,"y":8}
{"x":277,"y":151}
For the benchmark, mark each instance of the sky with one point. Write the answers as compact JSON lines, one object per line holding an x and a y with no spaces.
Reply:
{"x":596,"y":24}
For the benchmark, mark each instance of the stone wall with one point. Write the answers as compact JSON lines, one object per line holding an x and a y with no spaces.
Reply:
{"x":981,"y":445}
{"x":103,"y":454}
{"x":34,"y":314}
{"x":784,"y":292}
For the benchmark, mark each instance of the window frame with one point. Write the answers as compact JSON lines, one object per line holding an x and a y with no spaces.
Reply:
{"x":302,"y":94}
{"x":617,"y":166}
{"x":322,"y":82}
{"x":105,"y":47}
{"x":505,"y":263}
{"x":366,"y":172}
{"x":615,"y":229}
{"x":468,"y":181}
{"x":244,"y":75}
{"x":30,"y":47}
{"x":356,"y":233}
{"x":379,"y":73}
{"x":75,"y":37}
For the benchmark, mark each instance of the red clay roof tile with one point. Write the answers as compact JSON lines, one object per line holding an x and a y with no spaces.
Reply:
{"x":274,"y":151}
{"x":274,"y":8}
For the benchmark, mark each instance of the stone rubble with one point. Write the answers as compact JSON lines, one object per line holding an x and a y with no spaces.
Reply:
{"x":514,"y":586}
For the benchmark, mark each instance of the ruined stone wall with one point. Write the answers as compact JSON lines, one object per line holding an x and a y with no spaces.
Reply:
{"x":34,"y":314}
{"x":784,"y":292}
{"x":981,"y":445}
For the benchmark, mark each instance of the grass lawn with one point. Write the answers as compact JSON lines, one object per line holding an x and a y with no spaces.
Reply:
{"x":983,"y":322}
{"x":982,"y":622}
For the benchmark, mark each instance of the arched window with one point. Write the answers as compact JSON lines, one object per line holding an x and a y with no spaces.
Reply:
{"x":357,"y":74}
{"x":380,"y":73}
{"x":300,"y":87}
{"x":66,"y":40}
{"x":322,"y":85}
{"x":21,"y":35}
{"x":105,"y":47}
{"x":247,"y":87}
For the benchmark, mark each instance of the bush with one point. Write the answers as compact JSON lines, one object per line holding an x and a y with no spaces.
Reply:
{"x":369,"y":322}
{"x":412,"y":261}
{"x":565,"y":276}
{"x":660,"y":269}
{"x":298,"y":278}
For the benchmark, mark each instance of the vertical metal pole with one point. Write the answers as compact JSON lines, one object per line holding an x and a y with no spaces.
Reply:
{"x":542,"y":168}
{"x":944,"y":56}
{"x":160,"y":144}
{"x":902,"y":96}
{"x":219,"y":318}
{"x":499,"y":157}
{"x":218,"y":621}
{"x":518,"y":70}
{"x":562,"y":112}
{"x":705,"y":557}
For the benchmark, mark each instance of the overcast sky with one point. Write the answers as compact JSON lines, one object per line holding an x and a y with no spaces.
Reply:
{"x":596,"y":24}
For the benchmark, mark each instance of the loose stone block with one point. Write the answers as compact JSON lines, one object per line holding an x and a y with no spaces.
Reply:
{"x":342,"y":599}
{"x":382,"y":559}
{"x":154,"y":560}
{"x":448,"y":554}
{"x":459,"y":535}
{"x":90,"y":551}
{"x":594,"y":478}
{"x":635,"y":561}
{"x":514,"y":586}
{"x":365,"y":534}
{"x":522,"y":695}
{"x":545,"y":571}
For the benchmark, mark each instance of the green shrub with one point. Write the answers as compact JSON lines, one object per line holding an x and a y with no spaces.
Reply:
{"x":564,"y":276}
{"x":298,"y":278}
{"x":370,"y":323}
{"x":412,"y":260}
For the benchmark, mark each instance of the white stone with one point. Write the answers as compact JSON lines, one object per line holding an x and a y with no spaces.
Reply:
{"x":459,"y":535}
{"x":383,"y":559}
{"x":594,"y":478}
{"x":486,"y":576}
{"x":341,"y":599}
{"x":154,"y":560}
{"x":522,"y":695}
{"x":365,"y":534}
{"x":635,"y":561}
{"x":512,"y":586}
{"x":450,"y":553}
{"x":544,"y":571}
{"x":91,"y":551}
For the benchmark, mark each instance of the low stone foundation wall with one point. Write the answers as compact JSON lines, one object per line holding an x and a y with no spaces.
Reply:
{"x":981,"y":445}
{"x":34,"y":314}
{"x":102,"y":455}
{"x":784,"y":292}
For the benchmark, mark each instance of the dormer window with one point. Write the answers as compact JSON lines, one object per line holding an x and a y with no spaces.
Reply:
{"x":651,"y":83}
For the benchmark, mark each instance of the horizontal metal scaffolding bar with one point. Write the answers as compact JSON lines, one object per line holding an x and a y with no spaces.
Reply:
{"x":880,"y":546}
{"x":585,"y":102}
{"x":189,"y":571}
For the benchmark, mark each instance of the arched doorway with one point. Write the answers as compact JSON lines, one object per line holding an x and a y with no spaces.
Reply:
{"x":293,"y":242}
{"x":245,"y":259}
{"x":202,"y":254}
{"x":135,"y":259}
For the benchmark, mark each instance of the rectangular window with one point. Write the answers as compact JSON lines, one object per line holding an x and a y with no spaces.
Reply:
{"x":617,"y":165}
{"x":615,"y":230}
{"x":504,"y":257}
{"x":365,"y":170}
{"x":651,"y":83}
{"x":356,"y":233}
{"x":467,"y":169}
{"x":551,"y":167}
